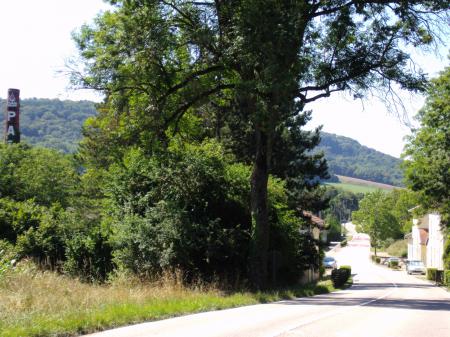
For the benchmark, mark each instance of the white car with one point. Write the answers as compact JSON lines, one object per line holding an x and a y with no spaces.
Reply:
{"x":415,"y":266}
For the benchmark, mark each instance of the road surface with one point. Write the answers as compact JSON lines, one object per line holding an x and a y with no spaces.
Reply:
{"x":380,"y":303}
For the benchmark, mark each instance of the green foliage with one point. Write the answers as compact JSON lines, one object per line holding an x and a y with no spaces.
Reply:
{"x":347,"y":157}
{"x":431,"y":274}
{"x":427,"y":154}
{"x":341,"y":204}
{"x":52,"y":123}
{"x":348,"y":270}
{"x":37,"y":173}
{"x":16,"y":218}
{"x":8,"y":256}
{"x":180,"y":211}
{"x":398,"y":248}
{"x":88,"y":252}
{"x":374,"y":258}
{"x":169,"y":68}
{"x":334,"y":228}
{"x":375,"y":218}
{"x":393,"y":264}
{"x":447,"y":278}
{"x":340,"y":276}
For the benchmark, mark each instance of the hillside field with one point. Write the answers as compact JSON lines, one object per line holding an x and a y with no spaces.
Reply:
{"x":356,"y":185}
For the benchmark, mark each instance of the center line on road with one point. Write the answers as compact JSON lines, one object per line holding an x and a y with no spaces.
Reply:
{"x":339,"y":311}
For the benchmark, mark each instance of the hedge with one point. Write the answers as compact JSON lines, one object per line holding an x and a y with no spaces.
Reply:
{"x":447,"y":278}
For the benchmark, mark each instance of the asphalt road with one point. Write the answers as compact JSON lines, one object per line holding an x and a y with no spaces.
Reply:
{"x":380,"y":303}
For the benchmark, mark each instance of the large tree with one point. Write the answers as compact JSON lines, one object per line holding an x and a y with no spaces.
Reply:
{"x":427,"y":153}
{"x":374,"y":217}
{"x":162,"y":61}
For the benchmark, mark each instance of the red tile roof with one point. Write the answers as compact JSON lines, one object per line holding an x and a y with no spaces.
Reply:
{"x":423,"y":236}
{"x":314,"y":219}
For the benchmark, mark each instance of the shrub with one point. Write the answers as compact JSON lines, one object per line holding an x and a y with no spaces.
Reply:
{"x":348,"y":270}
{"x":447,"y":278}
{"x":344,"y":243}
{"x":431,"y":274}
{"x":393,"y":264}
{"x":340,"y":276}
{"x":376,"y":259}
{"x":183,"y":210}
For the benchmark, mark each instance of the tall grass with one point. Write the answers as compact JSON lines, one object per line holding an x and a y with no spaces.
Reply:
{"x":36,"y":303}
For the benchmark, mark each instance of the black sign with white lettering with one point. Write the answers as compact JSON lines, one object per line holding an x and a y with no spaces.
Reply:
{"x":12,"y":126}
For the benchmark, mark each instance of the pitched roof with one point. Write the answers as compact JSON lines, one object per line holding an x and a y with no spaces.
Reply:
{"x":423,"y":236}
{"x":314,"y":219}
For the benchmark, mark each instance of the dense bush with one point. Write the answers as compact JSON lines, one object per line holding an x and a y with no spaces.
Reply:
{"x":340,"y":276}
{"x":447,"y":278}
{"x":348,"y":270}
{"x":183,"y":210}
{"x":431,"y":274}
{"x":393,"y":264}
{"x":43,"y":175}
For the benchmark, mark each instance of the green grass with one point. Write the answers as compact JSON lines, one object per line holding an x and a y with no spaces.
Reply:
{"x":354,"y":188}
{"x":35,"y":303}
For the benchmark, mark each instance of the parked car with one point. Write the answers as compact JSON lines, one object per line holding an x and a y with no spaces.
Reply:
{"x":329,"y":262}
{"x":415,"y":266}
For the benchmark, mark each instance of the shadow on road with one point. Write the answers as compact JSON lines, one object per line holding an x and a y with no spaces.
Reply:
{"x":342,"y":299}
{"x":367,"y":286}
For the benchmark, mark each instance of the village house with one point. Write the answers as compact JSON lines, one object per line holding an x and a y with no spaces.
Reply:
{"x":426,"y":241}
{"x":318,"y":232}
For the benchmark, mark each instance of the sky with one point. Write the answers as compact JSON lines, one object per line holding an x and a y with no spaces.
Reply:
{"x":36,"y":45}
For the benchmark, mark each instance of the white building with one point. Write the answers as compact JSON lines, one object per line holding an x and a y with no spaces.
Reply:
{"x":426,"y":241}
{"x":435,"y":246}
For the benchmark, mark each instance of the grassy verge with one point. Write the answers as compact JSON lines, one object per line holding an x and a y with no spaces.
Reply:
{"x":35,"y":303}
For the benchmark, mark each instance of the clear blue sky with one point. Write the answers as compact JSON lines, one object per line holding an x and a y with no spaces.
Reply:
{"x":36,"y":43}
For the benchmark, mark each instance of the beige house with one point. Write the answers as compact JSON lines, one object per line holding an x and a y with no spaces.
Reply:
{"x":426,"y":241}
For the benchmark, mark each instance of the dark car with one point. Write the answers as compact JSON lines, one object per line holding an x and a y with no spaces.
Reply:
{"x":329,"y":262}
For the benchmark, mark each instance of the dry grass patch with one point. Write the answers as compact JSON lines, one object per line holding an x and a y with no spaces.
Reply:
{"x":36,"y":303}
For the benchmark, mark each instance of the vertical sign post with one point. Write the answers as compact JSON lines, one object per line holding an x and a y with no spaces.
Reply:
{"x":12,"y":126}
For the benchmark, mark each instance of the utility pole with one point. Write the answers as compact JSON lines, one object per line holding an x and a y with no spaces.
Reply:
{"x":12,"y":115}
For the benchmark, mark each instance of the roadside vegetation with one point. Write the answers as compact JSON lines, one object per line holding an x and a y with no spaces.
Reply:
{"x":45,"y":303}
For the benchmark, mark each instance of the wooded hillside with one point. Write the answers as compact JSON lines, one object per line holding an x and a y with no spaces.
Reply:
{"x":52,"y":123}
{"x":347,"y":157}
{"x":56,"y":124}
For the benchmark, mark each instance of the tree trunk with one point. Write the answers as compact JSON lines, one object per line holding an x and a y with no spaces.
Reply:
{"x":260,"y":214}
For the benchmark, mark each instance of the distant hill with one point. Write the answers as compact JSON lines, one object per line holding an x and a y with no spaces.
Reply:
{"x":51,"y":122}
{"x":347,"y":157}
{"x":57,"y":124}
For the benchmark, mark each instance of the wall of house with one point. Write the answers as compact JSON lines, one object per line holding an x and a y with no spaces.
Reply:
{"x":416,"y":247}
{"x":435,"y":247}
